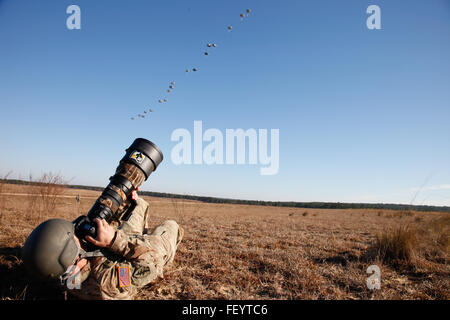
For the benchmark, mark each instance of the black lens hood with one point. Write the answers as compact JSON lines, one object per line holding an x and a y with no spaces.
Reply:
{"x":149,"y":149}
{"x":144,"y":154}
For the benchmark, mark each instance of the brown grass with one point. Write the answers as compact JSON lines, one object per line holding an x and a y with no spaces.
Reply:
{"x":418,"y":250}
{"x":3,"y":198}
{"x":399,"y":244}
{"x":43,"y":195}
{"x":415,"y":244}
{"x":258,"y":252}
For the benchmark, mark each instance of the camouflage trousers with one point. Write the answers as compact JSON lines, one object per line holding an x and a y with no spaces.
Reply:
{"x":164,"y":239}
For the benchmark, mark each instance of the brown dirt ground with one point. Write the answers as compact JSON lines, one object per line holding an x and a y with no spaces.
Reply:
{"x":242,"y":252}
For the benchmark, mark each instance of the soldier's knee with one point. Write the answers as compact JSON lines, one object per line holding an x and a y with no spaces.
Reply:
{"x":173,"y":230}
{"x":171,"y":223}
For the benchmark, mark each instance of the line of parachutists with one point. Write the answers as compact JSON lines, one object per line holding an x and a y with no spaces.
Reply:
{"x":172,"y":84}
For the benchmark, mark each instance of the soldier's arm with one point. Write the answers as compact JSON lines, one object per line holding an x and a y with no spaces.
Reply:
{"x":116,"y":240}
{"x":146,"y":263}
{"x":123,"y":247}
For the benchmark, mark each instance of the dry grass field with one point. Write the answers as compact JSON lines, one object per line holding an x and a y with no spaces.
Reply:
{"x":254,"y":252}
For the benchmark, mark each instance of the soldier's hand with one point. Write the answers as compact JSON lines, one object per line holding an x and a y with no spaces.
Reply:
{"x":105,"y":234}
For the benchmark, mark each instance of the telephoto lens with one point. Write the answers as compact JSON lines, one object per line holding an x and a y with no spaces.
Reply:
{"x":140,"y":160}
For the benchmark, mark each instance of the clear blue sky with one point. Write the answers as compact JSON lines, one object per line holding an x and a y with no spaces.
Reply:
{"x":363,"y":114}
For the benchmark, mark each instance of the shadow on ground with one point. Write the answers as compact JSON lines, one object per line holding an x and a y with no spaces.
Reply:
{"x":17,"y":284}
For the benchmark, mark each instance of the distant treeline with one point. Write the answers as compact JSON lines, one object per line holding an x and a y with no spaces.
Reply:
{"x":291,"y":204}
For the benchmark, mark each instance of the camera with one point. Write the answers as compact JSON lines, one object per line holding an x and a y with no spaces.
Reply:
{"x":140,"y":160}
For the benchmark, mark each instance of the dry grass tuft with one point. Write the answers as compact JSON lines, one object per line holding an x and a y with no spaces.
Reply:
{"x":415,"y":245}
{"x":398,"y":245}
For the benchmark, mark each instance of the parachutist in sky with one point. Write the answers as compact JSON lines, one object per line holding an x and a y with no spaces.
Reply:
{"x":206,"y":53}
{"x":160,"y":101}
{"x":230,"y":28}
{"x":195,"y":69}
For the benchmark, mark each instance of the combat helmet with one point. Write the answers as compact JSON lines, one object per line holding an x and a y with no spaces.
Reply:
{"x":50,"y":249}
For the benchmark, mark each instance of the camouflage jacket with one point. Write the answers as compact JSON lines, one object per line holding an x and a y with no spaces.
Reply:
{"x":129,"y":263}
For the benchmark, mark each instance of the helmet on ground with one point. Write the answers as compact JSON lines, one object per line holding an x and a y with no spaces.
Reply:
{"x":50,"y":249}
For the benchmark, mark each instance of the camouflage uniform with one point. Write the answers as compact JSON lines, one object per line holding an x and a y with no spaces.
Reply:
{"x":141,"y":257}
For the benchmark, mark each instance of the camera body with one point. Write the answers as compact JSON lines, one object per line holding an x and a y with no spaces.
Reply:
{"x":140,"y":160}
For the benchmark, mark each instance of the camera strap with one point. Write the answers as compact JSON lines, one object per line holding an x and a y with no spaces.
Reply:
{"x":72,"y":268}
{"x":129,"y":211}
{"x":90,"y":254}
